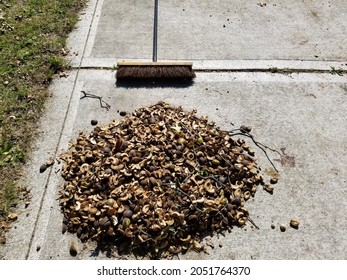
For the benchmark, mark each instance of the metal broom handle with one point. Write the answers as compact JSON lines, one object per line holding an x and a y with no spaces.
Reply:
{"x":155,"y":31}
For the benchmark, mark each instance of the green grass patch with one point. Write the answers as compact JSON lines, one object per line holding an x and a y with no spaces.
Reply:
{"x":32,"y":38}
{"x":9,"y":198}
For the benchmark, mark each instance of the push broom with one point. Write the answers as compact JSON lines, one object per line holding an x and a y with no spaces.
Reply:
{"x":154,"y":70}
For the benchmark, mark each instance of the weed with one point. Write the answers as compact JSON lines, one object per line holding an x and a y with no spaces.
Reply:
{"x":56,"y":64}
{"x":273,"y":69}
{"x":335,"y":71}
{"x":8,"y":198}
{"x":284,"y":71}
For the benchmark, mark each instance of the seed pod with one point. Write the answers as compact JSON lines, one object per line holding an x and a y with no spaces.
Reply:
{"x":155,"y":227}
{"x":127,"y":213}
{"x":43,"y":168}
{"x":273,"y":181}
{"x":174,"y":249}
{"x":236,"y":201}
{"x":64,"y":228}
{"x":197,"y":246}
{"x":73,"y":249}
{"x":114,"y":220}
{"x":269,"y":188}
{"x":110,"y":232}
{"x":251,"y":152}
{"x":105,"y":222}
{"x":187,"y":239}
{"x":245,"y":128}
{"x":294,"y":224}
{"x":247,"y":195}
{"x":242,"y":221}
{"x":126,"y":222}
{"x":283,"y":228}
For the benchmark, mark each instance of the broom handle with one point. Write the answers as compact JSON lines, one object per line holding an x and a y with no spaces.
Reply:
{"x":155,"y":31}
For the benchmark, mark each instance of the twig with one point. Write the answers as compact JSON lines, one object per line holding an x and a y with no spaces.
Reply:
{"x":217,"y":91}
{"x":103,"y":103}
{"x":252,"y":222}
{"x":258,"y":144}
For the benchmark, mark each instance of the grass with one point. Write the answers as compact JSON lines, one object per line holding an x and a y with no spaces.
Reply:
{"x":32,"y":40}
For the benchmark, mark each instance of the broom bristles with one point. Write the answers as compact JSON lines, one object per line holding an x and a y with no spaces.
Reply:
{"x":148,"y":71}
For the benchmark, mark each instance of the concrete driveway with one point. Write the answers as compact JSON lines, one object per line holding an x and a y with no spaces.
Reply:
{"x":278,"y":66}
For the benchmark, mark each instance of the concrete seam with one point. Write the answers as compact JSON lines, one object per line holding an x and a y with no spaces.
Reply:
{"x":61,"y":133}
{"x":273,"y":70}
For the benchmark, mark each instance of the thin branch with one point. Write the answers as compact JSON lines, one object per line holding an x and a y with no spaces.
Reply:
{"x":252,"y":222}
{"x":217,"y":91}
{"x":261,"y":146}
{"x":103,"y":103}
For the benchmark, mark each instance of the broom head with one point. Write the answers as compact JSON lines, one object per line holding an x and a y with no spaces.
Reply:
{"x":155,"y":71}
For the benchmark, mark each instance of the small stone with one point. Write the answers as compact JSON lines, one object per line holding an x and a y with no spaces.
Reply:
{"x":273,"y":226}
{"x":38,"y":248}
{"x":283,"y":228}
{"x":93,"y":122}
{"x":122,"y":113}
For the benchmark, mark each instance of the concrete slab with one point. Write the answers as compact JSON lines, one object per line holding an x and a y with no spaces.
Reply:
{"x":301,"y":115}
{"x":226,"y":30}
